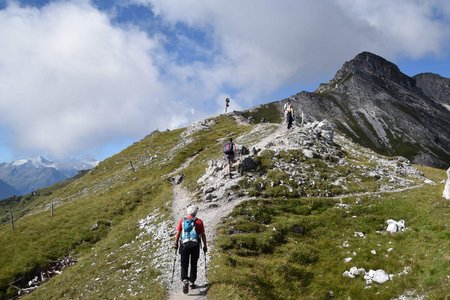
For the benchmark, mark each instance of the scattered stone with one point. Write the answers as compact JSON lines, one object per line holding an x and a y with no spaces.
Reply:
{"x":359,"y":234}
{"x":394,"y":226}
{"x":176,"y":179}
{"x":210,"y":190}
{"x":379,"y":276}
{"x":308,"y":153}
{"x":374,"y":252}
{"x":348,"y":259}
{"x":353,"y":272}
{"x":357,"y":271}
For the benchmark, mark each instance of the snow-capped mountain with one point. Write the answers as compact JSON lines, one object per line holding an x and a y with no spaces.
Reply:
{"x":27,"y":175}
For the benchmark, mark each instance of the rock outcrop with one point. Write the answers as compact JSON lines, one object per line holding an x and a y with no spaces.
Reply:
{"x":374,"y":103}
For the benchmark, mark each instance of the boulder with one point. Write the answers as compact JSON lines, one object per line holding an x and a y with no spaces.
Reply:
{"x":248,"y":164}
{"x":394,"y":226}
{"x":379,"y":276}
{"x":446,"y":193}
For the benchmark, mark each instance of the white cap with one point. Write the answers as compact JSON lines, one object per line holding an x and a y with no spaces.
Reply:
{"x":192,"y":210}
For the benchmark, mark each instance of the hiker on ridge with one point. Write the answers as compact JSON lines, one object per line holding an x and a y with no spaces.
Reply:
{"x":285,"y":110}
{"x":289,"y":115}
{"x":189,"y":232}
{"x":230,"y":151}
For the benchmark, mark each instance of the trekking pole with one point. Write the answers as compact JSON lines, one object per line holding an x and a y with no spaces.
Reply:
{"x":173,"y":267}
{"x":206,"y":276}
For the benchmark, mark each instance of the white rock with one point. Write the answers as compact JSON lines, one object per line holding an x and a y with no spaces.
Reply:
{"x":348,"y":274}
{"x":345,"y":244}
{"x":390,"y":249}
{"x":446,"y":193}
{"x":308,"y":153}
{"x":374,"y":252}
{"x":379,"y":276}
{"x":394,"y":226}
{"x":348,"y":259}
{"x":359,"y":234}
{"x":428,"y":181}
{"x":357,"y":271}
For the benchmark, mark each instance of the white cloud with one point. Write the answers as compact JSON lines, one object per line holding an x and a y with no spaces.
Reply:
{"x":266,"y":44}
{"x":70,"y":79}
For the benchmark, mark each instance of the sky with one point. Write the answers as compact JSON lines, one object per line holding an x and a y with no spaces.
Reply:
{"x":87,"y":78}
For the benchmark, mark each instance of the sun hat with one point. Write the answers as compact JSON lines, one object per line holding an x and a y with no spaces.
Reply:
{"x":192,"y":210}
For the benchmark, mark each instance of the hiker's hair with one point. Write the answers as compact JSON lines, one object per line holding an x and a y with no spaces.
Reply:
{"x":231,"y":140}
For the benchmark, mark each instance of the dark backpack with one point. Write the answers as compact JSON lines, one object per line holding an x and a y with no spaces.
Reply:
{"x":189,"y":236}
{"x":228,"y":148}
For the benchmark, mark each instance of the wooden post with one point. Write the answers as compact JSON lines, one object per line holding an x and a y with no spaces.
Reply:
{"x":12,"y":219}
{"x":131,"y":163}
{"x":52,"y":209}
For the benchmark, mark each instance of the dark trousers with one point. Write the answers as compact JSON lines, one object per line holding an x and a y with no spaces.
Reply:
{"x":290,"y":119}
{"x":192,"y":254}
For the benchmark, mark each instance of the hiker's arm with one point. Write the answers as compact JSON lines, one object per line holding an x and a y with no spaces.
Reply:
{"x":203,"y":237}
{"x":177,"y":240}
{"x":177,"y":236}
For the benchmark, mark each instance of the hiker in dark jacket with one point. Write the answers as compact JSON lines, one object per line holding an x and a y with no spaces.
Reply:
{"x":290,"y":115}
{"x":190,"y":231}
{"x":230,"y":151}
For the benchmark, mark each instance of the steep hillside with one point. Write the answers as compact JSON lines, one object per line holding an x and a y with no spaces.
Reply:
{"x":435,"y":86}
{"x":372,"y":102}
{"x":297,"y":206}
{"x":6,"y":190}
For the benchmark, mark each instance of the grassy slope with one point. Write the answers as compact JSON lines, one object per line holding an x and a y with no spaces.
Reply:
{"x":111,"y":192}
{"x":306,"y":259}
{"x":277,"y":249}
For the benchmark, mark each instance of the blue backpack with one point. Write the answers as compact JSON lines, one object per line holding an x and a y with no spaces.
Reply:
{"x":189,"y":236}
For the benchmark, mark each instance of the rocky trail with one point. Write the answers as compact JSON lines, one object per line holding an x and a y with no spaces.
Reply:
{"x":218,"y":195}
{"x":211,"y":216}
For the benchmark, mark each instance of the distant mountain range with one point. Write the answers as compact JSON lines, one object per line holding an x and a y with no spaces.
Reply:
{"x":378,"y":106}
{"x":26,"y":175}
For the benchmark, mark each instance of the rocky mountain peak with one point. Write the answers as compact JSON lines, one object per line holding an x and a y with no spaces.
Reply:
{"x":367,"y":63}
{"x":435,"y":86}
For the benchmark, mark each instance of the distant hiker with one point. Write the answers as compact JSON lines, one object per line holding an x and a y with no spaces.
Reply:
{"x":190,"y":231}
{"x":229,"y":149}
{"x":285,"y":110}
{"x":289,"y":115}
{"x":227,"y":103}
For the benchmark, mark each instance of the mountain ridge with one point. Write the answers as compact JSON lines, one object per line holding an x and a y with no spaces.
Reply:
{"x":27,"y":175}
{"x":375,"y":104}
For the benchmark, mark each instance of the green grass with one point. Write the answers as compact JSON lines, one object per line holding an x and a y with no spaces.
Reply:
{"x":114,"y":196}
{"x":277,"y":246}
{"x":292,"y":249}
{"x":269,"y":112}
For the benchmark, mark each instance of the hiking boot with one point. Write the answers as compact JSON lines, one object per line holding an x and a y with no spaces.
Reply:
{"x":193,"y":286}
{"x":185,"y":286}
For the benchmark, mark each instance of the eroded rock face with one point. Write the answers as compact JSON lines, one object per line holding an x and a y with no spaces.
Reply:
{"x":376,"y":105}
{"x":446,"y":193}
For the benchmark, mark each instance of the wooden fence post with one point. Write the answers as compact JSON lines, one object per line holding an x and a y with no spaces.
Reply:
{"x":12,"y":219}
{"x":131,"y":163}
{"x":52,"y":209}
